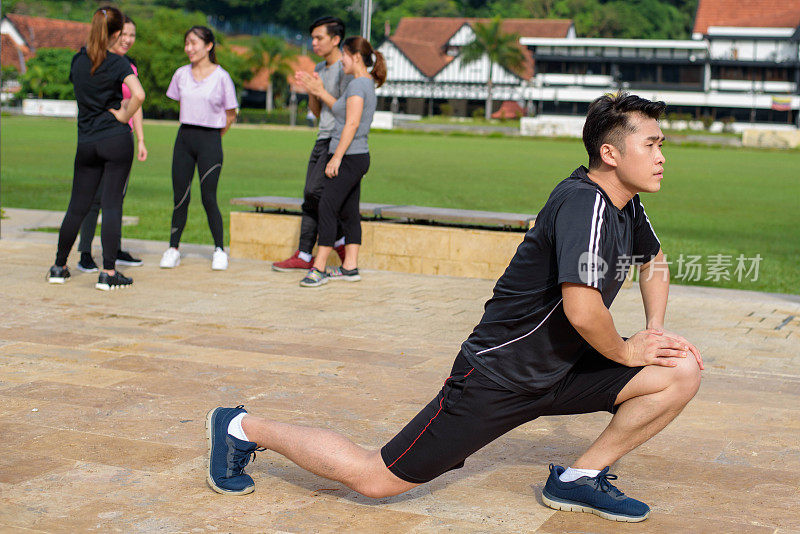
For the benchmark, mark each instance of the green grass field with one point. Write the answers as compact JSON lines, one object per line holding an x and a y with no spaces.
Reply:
{"x":713,"y":200}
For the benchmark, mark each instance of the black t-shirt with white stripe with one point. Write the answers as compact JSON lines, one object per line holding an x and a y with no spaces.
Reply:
{"x":524,"y":340}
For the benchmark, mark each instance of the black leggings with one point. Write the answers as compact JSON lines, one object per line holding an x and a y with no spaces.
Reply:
{"x":340,"y":199}
{"x":201,"y":147}
{"x":107,"y":161}
{"x":89,"y":225}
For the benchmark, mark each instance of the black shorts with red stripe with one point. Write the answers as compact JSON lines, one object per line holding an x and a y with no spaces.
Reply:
{"x":471,"y":411}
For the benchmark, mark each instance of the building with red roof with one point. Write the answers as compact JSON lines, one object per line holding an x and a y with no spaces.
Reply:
{"x":423,"y":62}
{"x":22,"y":35}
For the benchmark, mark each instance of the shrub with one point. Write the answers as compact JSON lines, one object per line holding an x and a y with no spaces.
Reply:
{"x":259,"y":116}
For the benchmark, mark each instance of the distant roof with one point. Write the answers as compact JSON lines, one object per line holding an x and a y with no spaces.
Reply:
{"x":40,"y":32}
{"x":260,"y":82}
{"x":748,"y":14}
{"x":10,"y":53}
{"x":422,"y":39}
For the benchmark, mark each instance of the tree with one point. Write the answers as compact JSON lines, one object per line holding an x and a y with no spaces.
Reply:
{"x":500,"y":48}
{"x":275,"y":55}
{"x":47,"y":74}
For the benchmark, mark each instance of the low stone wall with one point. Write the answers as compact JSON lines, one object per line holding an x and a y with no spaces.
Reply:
{"x":771,"y":138}
{"x":386,"y":246}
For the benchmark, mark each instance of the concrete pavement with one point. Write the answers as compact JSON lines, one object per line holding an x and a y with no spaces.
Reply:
{"x":103,"y":398}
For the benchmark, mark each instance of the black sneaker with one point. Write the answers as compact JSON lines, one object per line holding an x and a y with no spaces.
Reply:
{"x":58,"y":275}
{"x":107,"y":282}
{"x":87,"y":263}
{"x":124,"y":258}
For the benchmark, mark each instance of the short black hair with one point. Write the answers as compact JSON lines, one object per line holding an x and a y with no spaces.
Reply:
{"x":333,"y":25}
{"x":607,"y":121}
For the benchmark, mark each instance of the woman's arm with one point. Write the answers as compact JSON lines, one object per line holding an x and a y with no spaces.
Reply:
{"x":138,"y":119}
{"x":230,"y":118}
{"x":355,"y":107}
{"x":127,"y":110}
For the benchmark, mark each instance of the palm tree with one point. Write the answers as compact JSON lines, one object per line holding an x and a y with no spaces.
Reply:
{"x":273,"y":54}
{"x":501,"y":49}
{"x":35,"y":79}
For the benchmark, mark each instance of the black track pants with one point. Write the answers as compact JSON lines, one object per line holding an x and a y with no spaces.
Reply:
{"x":107,"y":161}
{"x":315,"y":183}
{"x":196,"y":146}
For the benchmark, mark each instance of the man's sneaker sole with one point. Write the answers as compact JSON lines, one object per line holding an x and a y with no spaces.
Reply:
{"x":571,"y":506}
{"x":209,"y":479}
{"x":288,"y":269}
{"x":130,"y":263}
{"x":56,"y":280}
{"x":83,"y":269}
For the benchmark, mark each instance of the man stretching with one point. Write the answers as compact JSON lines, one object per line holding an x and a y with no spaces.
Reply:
{"x":546,"y":345}
{"x":326,"y":37}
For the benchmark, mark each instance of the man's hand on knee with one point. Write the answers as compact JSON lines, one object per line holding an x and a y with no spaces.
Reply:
{"x":656,"y":347}
{"x":695,"y":352}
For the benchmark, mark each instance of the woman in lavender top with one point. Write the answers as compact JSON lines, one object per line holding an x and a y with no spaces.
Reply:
{"x":208,"y":105}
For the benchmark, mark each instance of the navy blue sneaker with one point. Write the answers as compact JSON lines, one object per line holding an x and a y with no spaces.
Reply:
{"x":227,"y":455}
{"x":593,"y":495}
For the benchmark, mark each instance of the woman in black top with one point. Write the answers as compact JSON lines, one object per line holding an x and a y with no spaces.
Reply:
{"x":105,"y":145}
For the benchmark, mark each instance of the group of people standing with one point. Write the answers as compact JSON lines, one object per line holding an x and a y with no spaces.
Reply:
{"x":341,"y":92}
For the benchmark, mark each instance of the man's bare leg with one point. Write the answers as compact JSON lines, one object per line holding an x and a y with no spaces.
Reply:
{"x":647,"y":404}
{"x":327,"y":454}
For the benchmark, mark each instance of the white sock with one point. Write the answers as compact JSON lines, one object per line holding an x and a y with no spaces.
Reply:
{"x":339,"y":242}
{"x":305,"y":256}
{"x":571,"y":474}
{"x":235,"y":427}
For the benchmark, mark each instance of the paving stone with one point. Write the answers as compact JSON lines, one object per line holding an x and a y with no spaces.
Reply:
{"x":102,"y":411}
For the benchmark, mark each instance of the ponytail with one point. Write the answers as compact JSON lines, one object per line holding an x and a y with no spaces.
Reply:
{"x":378,"y":71}
{"x":105,"y":22}
{"x":359,"y":45}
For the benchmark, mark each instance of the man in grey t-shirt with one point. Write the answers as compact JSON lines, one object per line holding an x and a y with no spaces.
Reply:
{"x":326,"y":36}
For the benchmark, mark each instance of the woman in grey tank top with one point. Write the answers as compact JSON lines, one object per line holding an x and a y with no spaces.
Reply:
{"x":349,"y":158}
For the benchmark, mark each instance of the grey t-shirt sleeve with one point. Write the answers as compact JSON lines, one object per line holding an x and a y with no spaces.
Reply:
{"x":359,"y":87}
{"x":580,"y":239}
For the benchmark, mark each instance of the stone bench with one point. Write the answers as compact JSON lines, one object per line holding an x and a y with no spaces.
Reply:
{"x":412,"y":239}
{"x":370,"y":210}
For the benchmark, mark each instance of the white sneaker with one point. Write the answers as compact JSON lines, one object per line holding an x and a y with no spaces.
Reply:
{"x":219,"y":262}
{"x":171,"y":258}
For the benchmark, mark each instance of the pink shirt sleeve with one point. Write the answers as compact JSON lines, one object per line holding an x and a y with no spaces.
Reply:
{"x":126,"y":93}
